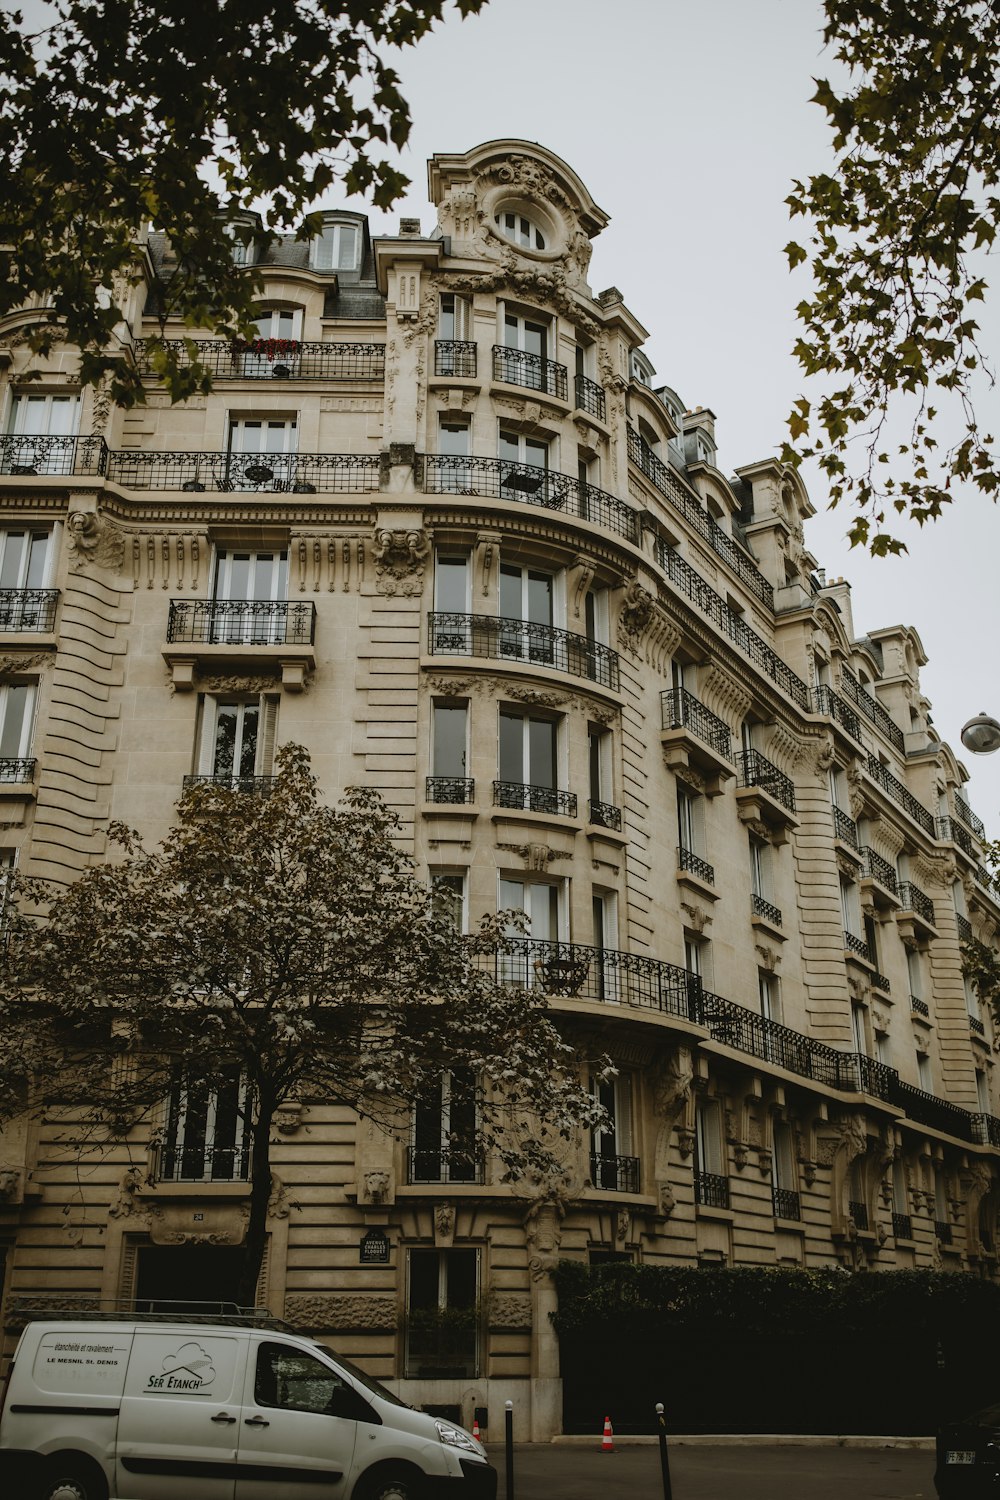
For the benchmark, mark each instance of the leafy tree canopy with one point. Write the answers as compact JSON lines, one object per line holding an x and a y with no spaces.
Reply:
{"x":292,"y":943}
{"x":118,"y":115}
{"x":891,"y":326}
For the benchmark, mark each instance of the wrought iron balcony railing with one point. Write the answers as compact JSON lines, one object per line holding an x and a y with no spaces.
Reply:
{"x":731,"y":622}
{"x":499,"y":639}
{"x":969,"y":818}
{"x":590,"y":398}
{"x":845,"y":828}
{"x":785,"y":1203}
{"x":880,"y":982}
{"x":976,"y":1025}
{"x":902,"y":1227}
{"x":614,"y":1174}
{"x":528,"y":798}
{"x":38,"y":453}
{"x":529,"y":484}
{"x":826,"y":701}
{"x":17,"y":768}
{"x":680,"y":709}
{"x":986,"y":1130}
{"x":903,"y":798}
{"x":928,"y":1109}
{"x":711,"y":1190}
{"x":697,"y":517}
{"x":604,"y":815}
{"x":450,"y":789}
{"x":943,"y":1231}
{"x":695,"y":865}
{"x":912,"y":898}
{"x":877,"y":868}
{"x":205,"y":1163}
{"x":442,"y":1165}
{"x":919,"y":1007}
{"x":28,"y":610}
{"x":604,"y":974}
{"x":762,"y":908}
{"x":859,"y":1213}
{"x":292,"y":473}
{"x":225,"y":622}
{"x":273,"y":359}
{"x":964,"y":926}
{"x":871,"y":708}
{"x":256,"y":786}
{"x":756,"y":770}
{"x":455,"y":357}
{"x":531,"y":371}
{"x":858,"y":945}
{"x":950,"y":828}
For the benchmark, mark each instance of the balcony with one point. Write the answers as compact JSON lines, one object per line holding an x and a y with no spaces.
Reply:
{"x":28,"y":611}
{"x":221,"y":632}
{"x":832,"y":706}
{"x":204,"y":1162}
{"x":272,"y":359}
{"x":441,"y":1166}
{"x":28,"y":454}
{"x":964,"y":926}
{"x":529,"y":484}
{"x":976,"y":1025}
{"x":942,"y":1230}
{"x":902,"y":1227}
{"x":590,"y":398}
{"x":603,"y":815}
{"x":952,"y":830}
{"x":919,"y":1007}
{"x":986,"y":1130}
{"x":691,"y":735}
{"x":254,"y":786}
{"x":450,"y":789}
{"x":711,"y":1190}
{"x":845,"y":829}
{"x":763,"y":792}
{"x":455,"y":358}
{"x":494,"y":638}
{"x":916,"y":910}
{"x":857,"y":947}
{"x":614,"y":1174}
{"x":17,"y":770}
{"x":872,"y":709}
{"x":899,"y":794}
{"x":260,"y":473}
{"x":693,"y":864}
{"x":785,"y":1204}
{"x":928,"y":1109}
{"x":969,"y":818}
{"x":530,"y":371}
{"x":578,"y":971}
{"x":881,"y":876}
{"x":526,"y":798}
{"x":859,"y":1213}
{"x":764,"y":910}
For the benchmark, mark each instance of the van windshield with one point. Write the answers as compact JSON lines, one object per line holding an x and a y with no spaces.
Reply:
{"x":366,"y":1380}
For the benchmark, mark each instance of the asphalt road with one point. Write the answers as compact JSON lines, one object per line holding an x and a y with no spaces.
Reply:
{"x":557,"y":1472}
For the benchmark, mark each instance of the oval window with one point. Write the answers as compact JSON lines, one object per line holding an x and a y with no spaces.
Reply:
{"x":520,"y":230}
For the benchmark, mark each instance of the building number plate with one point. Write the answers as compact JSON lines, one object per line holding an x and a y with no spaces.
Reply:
{"x":960,"y":1456}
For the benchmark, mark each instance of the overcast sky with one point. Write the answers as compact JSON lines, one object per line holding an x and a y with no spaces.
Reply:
{"x":688,"y":123}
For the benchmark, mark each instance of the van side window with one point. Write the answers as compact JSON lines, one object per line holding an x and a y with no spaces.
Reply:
{"x":290,"y":1379}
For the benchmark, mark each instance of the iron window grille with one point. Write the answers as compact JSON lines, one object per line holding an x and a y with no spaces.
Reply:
{"x":695,"y":865}
{"x":293,"y":473}
{"x":455,"y":357}
{"x":615,"y":1174}
{"x":272,"y":358}
{"x":877,"y":868}
{"x":28,"y":609}
{"x":785,"y":1203}
{"x":604,"y":815}
{"x":527,"y":798}
{"x":590,"y":398}
{"x":826,"y":701}
{"x":450,"y":789}
{"x":895,"y":789}
{"x":871,"y":708}
{"x":912,"y":898}
{"x":442,"y":1165}
{"x":229,"y":622}
{"x":859,"y":1213}
{"x":529,"y":484}
{"x":756,"y":770}
{"x":845,"y":828}
{"x":762,"y":908}
{"x":256,"y":786}
{"x":531,"y":371}
{"x":31,"y":453}
{"x":902,"y":1227}
{"x":17,"y":768}
{"x":680,"y":709}
{"x":498,"y":639}
{"x":711,"y":1190}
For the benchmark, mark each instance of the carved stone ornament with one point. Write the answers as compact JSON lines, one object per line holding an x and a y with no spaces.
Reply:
{"x":125,"y":1203}
{"x":359,"y":1312}
{"x":685,"y":1142}
{"x":636,"y":612}
{"x":509,"y":1313}
{"x":764,"y":1161}
{"x":623,"y":1225}
{"x":667,"y":1201}
{"x":10,"y":1184}
{"x":444,"y":1221}
{"x":696,"y":917}
{"x":376,"y":1186}
{"x":524,"y":693}
{"x":279,"y":1205}
{"x":93,"y":541}
{"x":824,"y":758}
{"x":543,"y":1234}
{"x":28,"y":661}
{"x":400,"y":557}
{"x":739,"y":1156}
{"x":535,"y":856}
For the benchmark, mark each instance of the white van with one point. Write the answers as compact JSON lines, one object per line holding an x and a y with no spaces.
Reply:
{"x":177,"y":1408}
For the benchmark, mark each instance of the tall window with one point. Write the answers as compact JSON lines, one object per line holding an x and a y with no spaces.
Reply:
{"x":47,"y":419}
{"x":337,"y":247}
{"x":451,"y":892}
{"x":527,"y":753}
{"x":612,"y":1165}
{"x":279,"y":331}
{"x":540,"y":902}
{"x":444,"y":1133}
{"x":54,"y":416}
{"x":527,"y":363}
{"x":527,"y":606}
{"x":207,"y":1133}
{"x":17,"y":717}
{"x":711,"y":1184}
{"x":238,"y":740}
{"x":454,"y":319}
{"x":688,"y":819}
{"x":514,"y":448}
{"x":251,"y":576}
{"x":442,"y":1319}
{"x":599,"y":748}
{"x":23,"y":559}
{"x":450,"y":732}
{"x":454,"y":442}
{"x":925,"y":1077}
{"x":767,"y":995}
{"x":520,"y":229}
{"x":785,"y":1172}
{"x":452,"y":585}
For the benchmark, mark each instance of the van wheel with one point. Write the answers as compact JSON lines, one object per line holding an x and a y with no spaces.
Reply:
{"x":72,"y":1478}
{"x":394,"y":1482}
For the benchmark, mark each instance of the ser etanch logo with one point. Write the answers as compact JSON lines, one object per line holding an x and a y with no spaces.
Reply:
{"x":188,"y":1369}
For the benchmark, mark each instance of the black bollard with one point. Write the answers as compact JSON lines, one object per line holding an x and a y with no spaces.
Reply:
{"x":509,"y":1447}
{"x":668,"y":1493}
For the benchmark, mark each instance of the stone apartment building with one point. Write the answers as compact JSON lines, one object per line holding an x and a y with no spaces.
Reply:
{"x":441,"y":524}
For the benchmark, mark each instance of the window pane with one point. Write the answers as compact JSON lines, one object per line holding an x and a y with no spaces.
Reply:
{"x":424,"y":1278}
{"x":451,"y":578}
{"x":461,"y":1278}
{"x":453,"y":438}
{"x":509,"y":447}
{"x":510,"y":592}
{"x":511,"y":747}
{"x":249,"y":726}
{"x":449,"y":739}
{"x":12,"y":570}
{"x":13,"y":735}
{"x":541,"y":752}
{"x":540,"y":598}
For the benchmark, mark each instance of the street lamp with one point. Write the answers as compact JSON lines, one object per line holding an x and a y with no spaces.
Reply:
{"x":981,"y":735}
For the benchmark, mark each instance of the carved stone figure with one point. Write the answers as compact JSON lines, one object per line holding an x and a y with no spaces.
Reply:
{"x":543,"y":1233}
{"x":93,"y":541}
{"x":400,"y":557}
{"x":376,"y":1186}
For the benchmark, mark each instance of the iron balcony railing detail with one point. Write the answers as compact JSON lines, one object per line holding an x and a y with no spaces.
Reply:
{"x":28,"y":609}
{"x":964,"y":927}
{"x":903,"y":798}
{"x":272,"y":359}
{"x":986,"y":1130}
{"x":881,"y":982}
{"x":529,"y":484}
{"x":928,"y":1109}
{"x":785,"y":1203}
{"x":205,"y":1163}
{"x":698,"y":518}
{"x":859,"y":1213}
{"x":527,"y":798}
{"x":877,"y":868}
{"x":826,"y":701}
{"x":38,"y":453}
{"x":17,"y":768}
{"x":912,"y":898}
{"x":871,"y":708}
{"x":455,"y":357}
{"x":590,"y":398}
{"x":919,"y":1007}
{"x":902,"y":1227}
{"x":225,"y":622}
{"x":695,"y":865}
{"x":680,"y":709}
{"x":858,"y":945}
{"x":756,"y":770}
{"x":256,"y":786}
{"x":604,"y":815}
{"x":450,"y":789}
{"x":731,"y":622}
{"x":969,"y":818}
{"x":614,"y":1174}
{"x":762,"y":908}
{"x":943,"y":1231}
{"x":604,"y":974}
{"x":442,"y":1165}
{"x":531,"y":371}
{"x":845,"y":828}
{"x":500,"y":639}
{"x":291,"y":473}
{"x":711,"y":1190}
{"x":950,"y":828}
{"x":976,"y":1025}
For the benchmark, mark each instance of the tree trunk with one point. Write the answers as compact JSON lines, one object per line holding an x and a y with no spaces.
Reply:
{"x":260,"y":1193}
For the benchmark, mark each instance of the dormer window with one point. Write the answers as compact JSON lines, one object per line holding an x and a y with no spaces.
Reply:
{"x":520,"y":230}
{"x":336,"y":248}
{"x":244,"y":247}
{"x":642,"y":370}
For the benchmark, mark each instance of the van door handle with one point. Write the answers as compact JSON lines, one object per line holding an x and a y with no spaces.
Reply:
{"x":223,"y":1417}
{"x":256,"y":1422}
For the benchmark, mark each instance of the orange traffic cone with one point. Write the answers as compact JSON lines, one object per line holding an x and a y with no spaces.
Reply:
{"x":475,"y":1428}
{"x":607,"y":1441}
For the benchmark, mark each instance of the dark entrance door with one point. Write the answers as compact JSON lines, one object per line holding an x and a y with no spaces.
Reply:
{"x":193,"y":1278}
